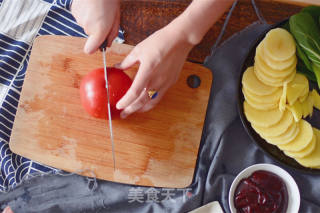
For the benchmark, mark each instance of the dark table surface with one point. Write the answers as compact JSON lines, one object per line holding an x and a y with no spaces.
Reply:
{"x":140,"y":18}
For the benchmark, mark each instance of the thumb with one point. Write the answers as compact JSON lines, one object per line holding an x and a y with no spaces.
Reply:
{"x":93,"y":42}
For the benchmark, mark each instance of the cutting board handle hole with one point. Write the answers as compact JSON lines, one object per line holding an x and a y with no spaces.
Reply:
{"x":193,"y":81}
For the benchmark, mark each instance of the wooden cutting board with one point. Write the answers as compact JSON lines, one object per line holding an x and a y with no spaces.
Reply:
{"x":157,"y":148}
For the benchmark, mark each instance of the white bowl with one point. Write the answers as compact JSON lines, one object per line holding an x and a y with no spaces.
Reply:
{"x":293,"y":190}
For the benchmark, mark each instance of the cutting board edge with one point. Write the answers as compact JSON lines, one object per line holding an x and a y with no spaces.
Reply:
{"x":186,"y":184}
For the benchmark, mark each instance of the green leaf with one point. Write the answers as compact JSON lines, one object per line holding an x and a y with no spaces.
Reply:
{"x":301,"y":68}
{"x":302,"y":56}
{"x":316,"y":70}
{"x":314,"y":11}
{"x":300,"y":52}
{"x":307,"y":35}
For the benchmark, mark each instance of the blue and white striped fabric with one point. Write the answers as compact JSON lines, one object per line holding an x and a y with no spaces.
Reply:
{"x":21,"y":21}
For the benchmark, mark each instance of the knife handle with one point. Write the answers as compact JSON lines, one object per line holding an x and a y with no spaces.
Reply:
{"x":103,"y":45}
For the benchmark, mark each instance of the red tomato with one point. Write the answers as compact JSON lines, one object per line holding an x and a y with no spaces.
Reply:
{"x":93,"y":92}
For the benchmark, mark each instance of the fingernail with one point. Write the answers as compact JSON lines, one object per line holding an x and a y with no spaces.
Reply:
{"x":123,"y":115}
{"x":118,"y":106}
{"x":87,"y":49}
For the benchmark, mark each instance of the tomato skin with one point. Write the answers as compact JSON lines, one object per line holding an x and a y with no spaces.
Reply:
{"x":93,"y":92}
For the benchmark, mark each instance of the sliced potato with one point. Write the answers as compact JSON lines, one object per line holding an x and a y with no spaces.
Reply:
{"x":281,"y":65}
{"x":274,"y":78}
{"x":267,"y":80}
{"x":296,"y":110}
{"x":294,"y":92}
{"x":290,"y":78}
{"x":306,"y":151}
{"x":277,"y":65}
{"x":313,"y":159}
{"x":298,"y":88}
{"x":301,"y":79}
{"x":303,"y":98}
{"x":310,"y":102}
{"x":273,"y":81}
{"x":307,"y":106}
{"x":286,"y":137}
{"x":302,"y":140}
{"x":277,"y":129}
{"x":305,"y":109}
{"x":251,"y":83}
{"x":265,"y":99}
{"x":283,"y":99}
{"x":259,"y":63}
{"x":316,"y":99}
{"x":260,"y":117}
{"x":257,"y":105}
{"x":279,"y":44}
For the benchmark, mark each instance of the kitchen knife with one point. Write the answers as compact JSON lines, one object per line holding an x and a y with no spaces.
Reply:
{"x":103,"y":48}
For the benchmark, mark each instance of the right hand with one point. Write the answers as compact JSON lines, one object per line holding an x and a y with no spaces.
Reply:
{"x":100,"y":20}
{"x":159,"y":68}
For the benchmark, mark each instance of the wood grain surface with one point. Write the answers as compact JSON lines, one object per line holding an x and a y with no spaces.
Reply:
{"x":300,"y":2}
{"x":140,"y":18}
{"x":157,"y":148}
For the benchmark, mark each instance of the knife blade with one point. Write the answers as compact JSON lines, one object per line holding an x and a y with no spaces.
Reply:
{"x":109,"y":110}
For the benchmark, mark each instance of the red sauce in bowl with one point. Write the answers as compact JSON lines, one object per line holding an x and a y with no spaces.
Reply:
{"x":262,"y":192}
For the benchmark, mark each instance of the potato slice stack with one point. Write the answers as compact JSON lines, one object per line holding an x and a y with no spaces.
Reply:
{"x":275,"y":60}
{"x":277,"y":98}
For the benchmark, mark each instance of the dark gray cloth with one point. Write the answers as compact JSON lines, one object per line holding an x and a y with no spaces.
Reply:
{"x":225,"y":150}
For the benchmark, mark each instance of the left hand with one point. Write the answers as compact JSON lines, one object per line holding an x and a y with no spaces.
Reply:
{"x":161,"y":57}
{"x":100,"y":20}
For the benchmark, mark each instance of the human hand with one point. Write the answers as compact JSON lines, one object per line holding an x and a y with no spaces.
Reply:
{"x":100,"y":20}
{"x":161,"y":57}
{"x":7,"y":210}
